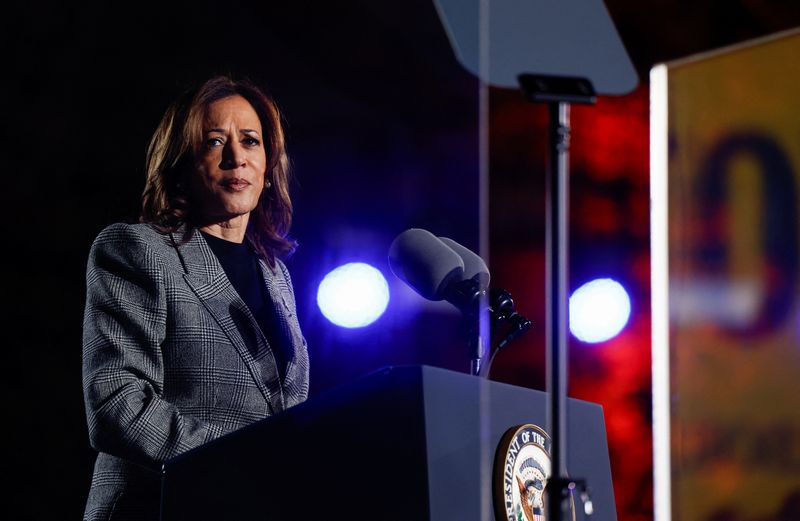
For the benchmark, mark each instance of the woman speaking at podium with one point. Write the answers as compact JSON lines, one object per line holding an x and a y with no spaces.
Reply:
{"x":190,"y":329}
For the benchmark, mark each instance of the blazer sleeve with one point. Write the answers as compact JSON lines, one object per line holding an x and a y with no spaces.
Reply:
{"x":124,"y":326}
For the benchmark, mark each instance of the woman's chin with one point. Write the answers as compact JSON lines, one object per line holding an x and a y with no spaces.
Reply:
{"x":229,"y":216}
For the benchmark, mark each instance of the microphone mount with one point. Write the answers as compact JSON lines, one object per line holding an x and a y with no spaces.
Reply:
{"x":503,"y":311}
{"x":472,"y":298}
{"x":469,"y":296}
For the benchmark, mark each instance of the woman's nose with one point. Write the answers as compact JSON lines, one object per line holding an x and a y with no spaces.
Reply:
{"x":232,"y":155}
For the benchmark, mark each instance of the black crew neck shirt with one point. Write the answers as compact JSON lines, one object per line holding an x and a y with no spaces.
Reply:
{"x":241,"y":265}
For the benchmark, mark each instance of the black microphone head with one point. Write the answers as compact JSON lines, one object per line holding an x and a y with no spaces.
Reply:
{"x":474,"y":267}
{"x":421,"y":260}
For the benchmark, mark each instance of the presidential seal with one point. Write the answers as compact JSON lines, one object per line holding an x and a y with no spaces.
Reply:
{"x":521,"y":470}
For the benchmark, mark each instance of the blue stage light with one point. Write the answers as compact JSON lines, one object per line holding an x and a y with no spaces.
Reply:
{"x":353,"y":295}
{"x":598,"y":310}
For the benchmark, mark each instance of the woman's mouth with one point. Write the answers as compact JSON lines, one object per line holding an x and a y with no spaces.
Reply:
{"x":235,"y":185}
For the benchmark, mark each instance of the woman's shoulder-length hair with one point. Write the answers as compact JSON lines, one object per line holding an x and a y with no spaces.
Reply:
{"x":171,"y":159}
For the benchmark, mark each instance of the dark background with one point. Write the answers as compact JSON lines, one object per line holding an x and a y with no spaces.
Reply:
{"x":382,"y":131}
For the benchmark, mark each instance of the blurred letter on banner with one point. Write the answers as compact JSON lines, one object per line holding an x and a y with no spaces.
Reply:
{"x":725,"y":179}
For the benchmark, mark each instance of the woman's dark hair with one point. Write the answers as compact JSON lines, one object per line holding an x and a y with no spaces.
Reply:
{"x":171,"y":159}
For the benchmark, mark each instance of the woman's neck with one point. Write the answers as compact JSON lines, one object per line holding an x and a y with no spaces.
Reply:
{"x":232,"y":230}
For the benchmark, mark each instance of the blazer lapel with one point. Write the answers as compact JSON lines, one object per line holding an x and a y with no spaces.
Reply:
{"x":207,"y":279}
{"x":283,"y":299}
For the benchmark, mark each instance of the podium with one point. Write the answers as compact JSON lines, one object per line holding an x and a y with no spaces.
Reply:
{"x":403,"y":443}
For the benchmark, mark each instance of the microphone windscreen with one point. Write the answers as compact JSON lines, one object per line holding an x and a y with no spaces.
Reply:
{"x":425,"y":263}
{"x":474,"y":267}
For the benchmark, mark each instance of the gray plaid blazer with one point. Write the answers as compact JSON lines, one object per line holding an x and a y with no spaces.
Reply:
{"x":172,"y":358}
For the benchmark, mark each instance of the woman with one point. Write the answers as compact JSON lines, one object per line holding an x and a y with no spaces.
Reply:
{"x":190,"y":328}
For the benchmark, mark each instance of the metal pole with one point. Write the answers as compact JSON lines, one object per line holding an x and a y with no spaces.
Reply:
{"x":556,"y":272}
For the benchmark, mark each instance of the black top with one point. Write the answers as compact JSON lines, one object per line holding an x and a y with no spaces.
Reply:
{"x":241,"y":265}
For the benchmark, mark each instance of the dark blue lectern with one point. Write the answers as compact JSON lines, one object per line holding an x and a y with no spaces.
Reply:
{"x":404,"y":443}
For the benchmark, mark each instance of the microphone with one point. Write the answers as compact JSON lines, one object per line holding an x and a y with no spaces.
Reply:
{"x":435,"y":271}
{"x":468,"y":294}
{"x":439,"y":268}
{"x":474,"y":267}
{"x":428,"y":265}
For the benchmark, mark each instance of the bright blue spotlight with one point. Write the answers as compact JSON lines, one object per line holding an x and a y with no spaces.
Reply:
{"x":353,"y":295}
{"x":598,"y":310}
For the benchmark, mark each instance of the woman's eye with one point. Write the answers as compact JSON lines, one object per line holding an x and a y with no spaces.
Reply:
{"x":251,"y":141}
{"x":214,"y":142}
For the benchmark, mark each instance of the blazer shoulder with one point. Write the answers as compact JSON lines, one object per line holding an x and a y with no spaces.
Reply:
{"x":132,"y":244}
{"x":133,"y":233}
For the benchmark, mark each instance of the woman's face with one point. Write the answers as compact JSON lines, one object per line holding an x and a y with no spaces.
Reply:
{"x":230,"y":166}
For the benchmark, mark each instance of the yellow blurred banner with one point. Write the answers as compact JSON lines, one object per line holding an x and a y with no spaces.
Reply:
{"x":725,"y":179}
